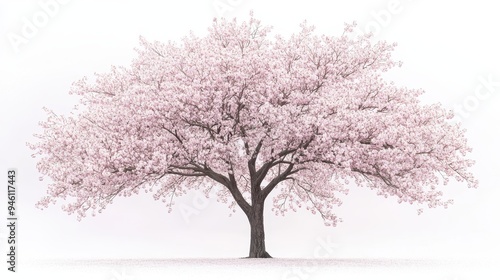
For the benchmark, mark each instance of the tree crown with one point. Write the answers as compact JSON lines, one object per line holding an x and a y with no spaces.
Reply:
{"x":248,"y":112}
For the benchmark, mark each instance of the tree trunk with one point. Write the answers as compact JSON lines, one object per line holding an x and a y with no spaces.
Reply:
{"x":257,"y":236}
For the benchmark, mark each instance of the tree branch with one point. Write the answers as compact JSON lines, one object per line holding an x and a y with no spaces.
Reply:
{"x":274,"y":182}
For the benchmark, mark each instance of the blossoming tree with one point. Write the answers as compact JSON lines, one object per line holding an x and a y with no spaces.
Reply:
{"x":247,"y":114}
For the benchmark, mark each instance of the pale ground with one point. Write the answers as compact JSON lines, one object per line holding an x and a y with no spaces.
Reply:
{"x":279,"y":269}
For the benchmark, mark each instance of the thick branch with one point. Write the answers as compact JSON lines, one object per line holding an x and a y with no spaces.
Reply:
{"x":230,"y":184}
{"x":252,"y":169}
{"x":274,"y":182}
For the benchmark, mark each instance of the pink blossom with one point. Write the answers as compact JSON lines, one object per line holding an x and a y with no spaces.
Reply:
{"x":246,"y":113}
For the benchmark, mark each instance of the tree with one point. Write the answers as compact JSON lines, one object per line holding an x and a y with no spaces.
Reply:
{"x":247,"y":114}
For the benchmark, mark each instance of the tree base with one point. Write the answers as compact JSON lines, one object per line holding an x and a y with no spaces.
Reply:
{"x":264,"y":255}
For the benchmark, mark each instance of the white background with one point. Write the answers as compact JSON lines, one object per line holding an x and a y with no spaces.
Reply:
{"x":448,"y":49}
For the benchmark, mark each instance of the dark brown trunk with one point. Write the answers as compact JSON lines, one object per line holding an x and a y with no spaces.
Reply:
{"x":257,"y":236}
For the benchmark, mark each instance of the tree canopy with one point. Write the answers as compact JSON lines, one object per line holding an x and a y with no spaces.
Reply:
{"x":247,"y":113}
